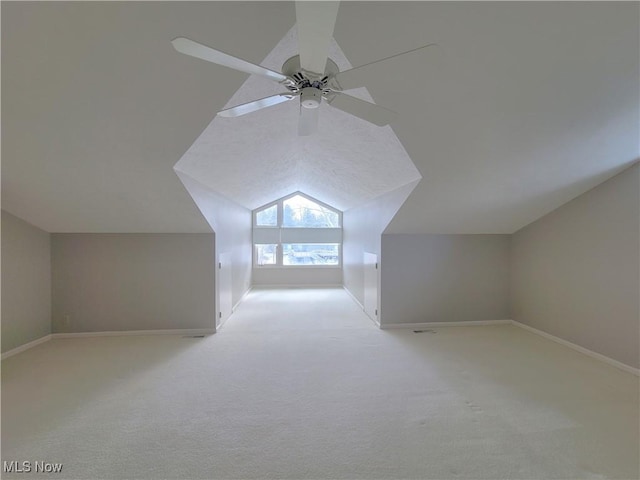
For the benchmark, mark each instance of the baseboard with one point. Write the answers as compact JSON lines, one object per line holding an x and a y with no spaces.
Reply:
{"x":353,"y":297}
{"x":586,"y":351}
{"x":26,"y":346}
{"x":233,"y":309}
{"x":474,"y":323}
{"x":210,"y":331}
{"x":244,"y":295}
{"x":375,"y":321}
{"x":186,"y":331}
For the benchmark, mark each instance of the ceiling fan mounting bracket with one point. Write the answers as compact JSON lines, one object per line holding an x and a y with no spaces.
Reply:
{"x":301,"y":78}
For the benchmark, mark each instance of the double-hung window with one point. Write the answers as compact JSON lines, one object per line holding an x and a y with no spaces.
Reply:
{"x":295,"y":231}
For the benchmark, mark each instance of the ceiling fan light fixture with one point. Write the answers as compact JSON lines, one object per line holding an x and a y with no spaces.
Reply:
{"x":311,"y":75}
{"x":310,"y":97}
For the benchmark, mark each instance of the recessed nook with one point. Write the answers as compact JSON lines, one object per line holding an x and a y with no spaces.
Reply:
{"x":249,"y":161}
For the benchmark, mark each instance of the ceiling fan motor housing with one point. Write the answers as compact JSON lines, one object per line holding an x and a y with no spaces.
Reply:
{"x":310,"y":97}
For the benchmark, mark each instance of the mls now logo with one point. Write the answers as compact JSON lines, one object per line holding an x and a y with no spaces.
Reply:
{"x":28,"y":467}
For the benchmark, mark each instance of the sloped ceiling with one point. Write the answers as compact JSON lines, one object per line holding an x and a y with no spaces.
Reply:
{"x":257,"y":158}
{"x":532,"y":104}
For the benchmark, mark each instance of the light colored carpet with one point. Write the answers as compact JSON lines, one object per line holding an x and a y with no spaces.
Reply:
{"x":301,"y":384}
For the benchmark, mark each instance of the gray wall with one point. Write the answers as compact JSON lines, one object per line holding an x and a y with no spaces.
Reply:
{"x":26,"y":282}
{"x":106,"y":282}
{"x":362,"y":228}
{"x":231,"y":223}
{"x":444,"y":278}
{"x":575,"y":271}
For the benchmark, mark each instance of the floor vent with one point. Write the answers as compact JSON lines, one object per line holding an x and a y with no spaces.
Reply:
{"x":193,"y":336}
{"x":424,"y":331}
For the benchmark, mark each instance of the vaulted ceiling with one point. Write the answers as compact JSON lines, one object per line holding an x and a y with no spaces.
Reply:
{"x":529,"y":105}
{"x":259,"y":157}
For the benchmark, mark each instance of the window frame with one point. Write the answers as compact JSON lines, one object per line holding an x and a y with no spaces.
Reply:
{"x":280,"y":248}
{"x":266,"y":207}
{"x":255,"y":255}
{"x":279,"y":228}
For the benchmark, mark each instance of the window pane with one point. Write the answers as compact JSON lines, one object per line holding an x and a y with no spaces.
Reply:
{"x":266,"y":254}
{"x":267,"y":217}
{"x":310,"y":254}
{"x":299,"y":211}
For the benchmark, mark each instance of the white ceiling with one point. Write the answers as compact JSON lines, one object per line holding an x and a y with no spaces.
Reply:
{"x":531,"y":105}
{"x":257,"y":158}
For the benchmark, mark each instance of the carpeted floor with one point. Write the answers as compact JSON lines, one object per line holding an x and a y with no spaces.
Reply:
{"x":301,"y":384}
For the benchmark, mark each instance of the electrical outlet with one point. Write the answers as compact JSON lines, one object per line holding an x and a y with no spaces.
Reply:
{"x":67,"y":321}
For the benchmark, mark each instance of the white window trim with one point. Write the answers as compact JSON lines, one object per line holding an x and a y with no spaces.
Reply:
{"x":264,"y":207}
{"x":278,"y":234}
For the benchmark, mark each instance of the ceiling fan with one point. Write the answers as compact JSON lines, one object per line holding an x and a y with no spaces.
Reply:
{"x":311,"y":75}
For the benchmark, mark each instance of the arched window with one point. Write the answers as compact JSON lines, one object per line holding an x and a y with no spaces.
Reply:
{"x":295,"y":231}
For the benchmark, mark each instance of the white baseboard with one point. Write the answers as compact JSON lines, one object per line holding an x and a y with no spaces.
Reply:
{"x":186,"y":331}
{"x":586,"y":351}
{"x":244,"y":295}
{"x":26,"y":346}
{"x":374,"y":320}
{"x":417,"y":326}
{"x":353,"y":297}
{"x":233,"y":309}
{"x":578,"y":348}
{"x":210,"y":331}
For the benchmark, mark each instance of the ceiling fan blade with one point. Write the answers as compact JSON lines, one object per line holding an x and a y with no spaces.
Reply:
{"x":195,"y":49}
{"x":245,"y":108}
{"x":308,"y":121}
{"x":368,"y":111}
{"x":315,"y":28}
{"x":357,"y":77}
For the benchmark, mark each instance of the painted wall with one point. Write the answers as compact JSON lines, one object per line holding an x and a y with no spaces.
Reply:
{"x":106,"y":282}
{"x":231,"y":223}
{"x":444,"y":278}
{"x":26,"y":282}
{"x":297,"y":276}
{"x":575,"y":271}
{"x":362,"y":229}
